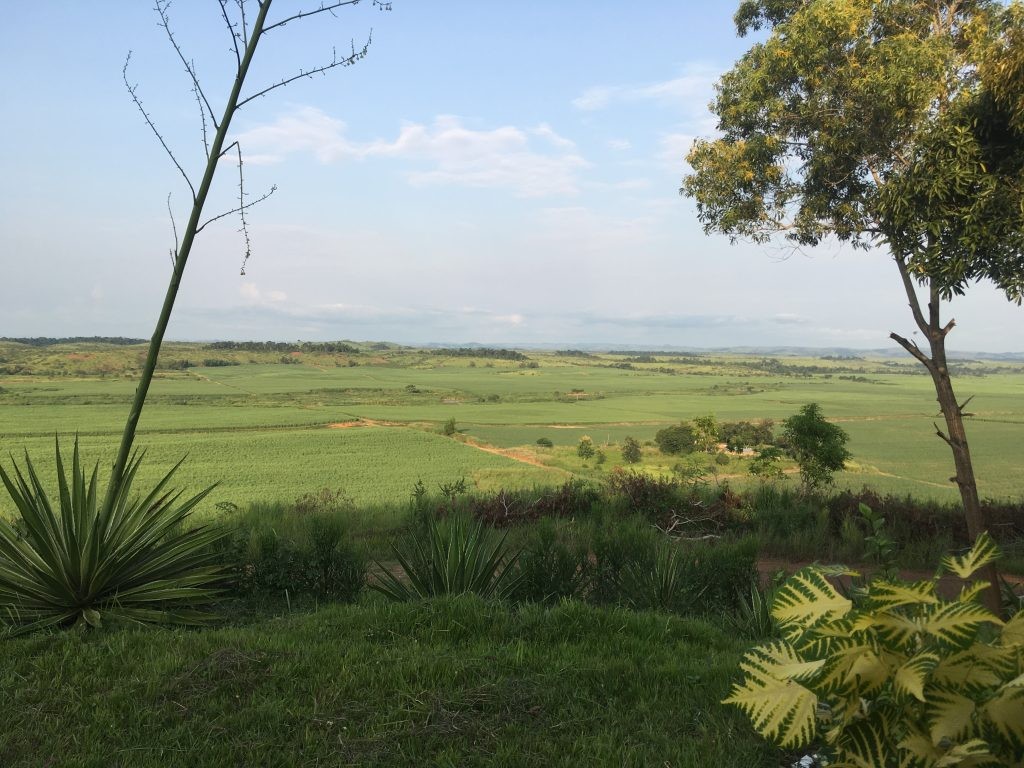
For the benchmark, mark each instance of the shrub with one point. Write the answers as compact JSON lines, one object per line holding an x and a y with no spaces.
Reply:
{"x":585,"y":449}
{"x":675,"y":440}
{"x":552,"y":568}
{"x":648,"y":495}
{"x":725,"y":570}
{"x":721,"y":459}
{"x":455,"y":557}
{"x":615,"y":545}
{"x":545,"y":442}
{"x":660,"y":583}
{"x":631,"y":451}
{"x":88,"y":559}
{"x":902,"y":677}
{"x":818,"y":446}
{"x":449,"y":428}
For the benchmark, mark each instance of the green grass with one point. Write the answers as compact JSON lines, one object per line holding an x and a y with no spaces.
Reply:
{"x":447,"y":683}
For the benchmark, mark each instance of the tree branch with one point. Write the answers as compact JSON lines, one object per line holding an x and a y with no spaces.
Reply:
{"x":912,"y":298}
{"x":324,"y":8}
{"x":913,"y":349}
{"x":165,"y":22}
{"x":131,"y":90}
{"x":174,"y":229}
{"x":941,"y":434}
{"x":231,"y":28}
{"x":335,"y":62}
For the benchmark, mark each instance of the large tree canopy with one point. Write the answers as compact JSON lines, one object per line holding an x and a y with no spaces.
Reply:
{"x":880,"y":122}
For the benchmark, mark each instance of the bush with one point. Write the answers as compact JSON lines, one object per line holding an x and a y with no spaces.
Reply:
{"x":724,"y":571}
{"x":631,"y":451}
{"x":453,"y":557}
{"x":676,"y":440}
{"x":85,"y":560}
{"x":545,"y":442}
{"x":818,"y":446}
{"x":721,"y":459}
{"x":654,"y":497}
{"x":585,"y":449}
{"x":907,"y":677}
{"x":449,"y":428}
{"x":617,"y":544}
{"x":661,"y":584}
{"x":552,"y":567}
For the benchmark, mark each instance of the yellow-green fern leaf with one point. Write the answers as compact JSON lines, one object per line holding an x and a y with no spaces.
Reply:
{"x":886,"y":595}
{"x":807,"y":597}
{"x":780,"y":709}
{"x":956,"y":623}
{"x":851,"y":664}
{"x":948,"y":714}
{"x":1013,"y":632}
{"x":865,"y":744}
{"x":971,"y":591}
{"x":917,"y":751}
{"x":911,"y":676}
{"x":971,"y":754}
{"x":1006,"y":712}
{"x":778,"y":659}
{"x":896,"y":629}
{"x":981,"y":554}
{"x":975,"y":668}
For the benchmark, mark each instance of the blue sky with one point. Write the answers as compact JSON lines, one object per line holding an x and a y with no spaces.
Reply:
{"x":497,"y":173}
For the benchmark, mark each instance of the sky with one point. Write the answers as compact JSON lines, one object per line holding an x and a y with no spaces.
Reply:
{"x":499,"y":173}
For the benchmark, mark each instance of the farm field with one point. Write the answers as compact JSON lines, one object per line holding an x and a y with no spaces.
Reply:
{"x":269,"y":431}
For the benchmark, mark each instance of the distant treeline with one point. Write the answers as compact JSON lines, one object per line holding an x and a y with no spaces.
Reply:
{"x":284,"y":346}
{"x":650,"y":353}
{"x":494,"y":354}
{"x":47,"y":341}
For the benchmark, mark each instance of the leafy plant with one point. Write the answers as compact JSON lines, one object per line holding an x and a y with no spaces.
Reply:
{"x":87,"y":559}
{"x":818,"y":446}
{"x":881,"y":546}
{"x":451,"y":558}
{"x":659,"y":584}
{"x":552,"y":568}
{"x":903,"y":677}
{"x":631,"y":451}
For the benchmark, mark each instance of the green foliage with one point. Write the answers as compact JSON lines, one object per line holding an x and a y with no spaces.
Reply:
{"x":676,"y":439}
{"x":545,"y":442}
{"x":86,"y":560}
{"x":451,"y":557}
{"x":881,"y":547}
{"x":765,"y":466}
{"x":818,"y":446}
{"x":631,"y":451}
{"x":705,"y":433}
{"x":552,"y":566}
{"x":449,"y":427}
{"x":618,"y":544}
{"x":659,"y":583}
{"x":903,"y":677}
{"x":585,"y":449}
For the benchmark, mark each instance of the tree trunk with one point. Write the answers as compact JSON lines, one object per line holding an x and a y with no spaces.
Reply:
{"x":955,"y":435}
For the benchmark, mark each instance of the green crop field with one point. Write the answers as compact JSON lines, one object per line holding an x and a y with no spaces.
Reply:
{"x":259,"y":423}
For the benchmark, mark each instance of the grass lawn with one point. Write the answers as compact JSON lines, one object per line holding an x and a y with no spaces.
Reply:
{"x":455,"y":682}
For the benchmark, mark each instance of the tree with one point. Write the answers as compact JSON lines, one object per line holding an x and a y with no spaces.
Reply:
{"x":765,"y":466}
{"x":675,"y":439}
{"x":705,"y":433}
{"x":631,"y":451}
{"x":449,"y":428}
{"x":896,"y":124}
{"x":818,"y":446}
{"x":585,"y":449}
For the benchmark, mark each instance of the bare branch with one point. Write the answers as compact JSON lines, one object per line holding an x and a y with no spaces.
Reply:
{"x":138,"y":102}
{"x":242,"y":205}
{"x":945,"y":439}
{"x":963,"y":405}
{"x":324,"y":8}
{"x":913,"y":349}
{"x":165,"y":22}
{"x":231,"y":28}
{"x":948,"y":327}
{"x":348,"y":61}
{"x":245,"y":28}
{"x":202,"y":118}
{"x":174,"y":228}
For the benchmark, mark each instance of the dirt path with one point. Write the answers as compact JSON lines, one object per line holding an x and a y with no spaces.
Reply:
{"x":510,"y":453}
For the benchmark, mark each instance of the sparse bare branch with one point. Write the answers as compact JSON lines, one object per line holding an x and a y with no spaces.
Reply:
{"x":149,"y":121}
{"x":913,"y":349}
{"x":242,"y":205}
{"x":202,"y":120}
{"x":324,"y":8}
{"x":912,"y":298}
{"x":945,"y":439}
{"x":165,"y":22}
{"x":231,"y":28}
{"x":347,"y":61}
{"x":245,"y":27}
{"x":174,"y":229}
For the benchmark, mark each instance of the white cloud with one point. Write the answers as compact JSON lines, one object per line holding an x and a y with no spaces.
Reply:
{"x":693,"y":87}
{"x":620,"y":145}
{"x":503,"y":157}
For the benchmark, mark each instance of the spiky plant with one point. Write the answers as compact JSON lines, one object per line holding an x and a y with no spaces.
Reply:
{"x":660,"y":583}
{"x":901,"y":678}
{"x":451,"y":558}
{"x":84,"y":559}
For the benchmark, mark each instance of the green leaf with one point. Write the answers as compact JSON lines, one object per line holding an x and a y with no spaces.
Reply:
{"x":948,"y":715}
{"x":886,"y":595}
{"x":911,"y":676}
{"x":1006,"y":712}
{"x":957,"y":623}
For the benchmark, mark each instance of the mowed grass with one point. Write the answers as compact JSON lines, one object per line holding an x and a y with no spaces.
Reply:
{"x":447,"y":683}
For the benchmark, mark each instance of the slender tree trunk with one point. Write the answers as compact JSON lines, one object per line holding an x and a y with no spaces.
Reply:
{"x":216,"y":148}
{"x":955,"y":435}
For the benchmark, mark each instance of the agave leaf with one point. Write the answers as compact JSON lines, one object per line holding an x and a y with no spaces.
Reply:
{"x":948,"y":714}
{"x":910,"y":678}
{"x":807,"y":597}
{"x":983,"y":552}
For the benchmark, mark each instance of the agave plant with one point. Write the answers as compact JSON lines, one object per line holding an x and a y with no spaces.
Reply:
{"x":86,"y":559}
{"x":659,"y":584}
{"x":451,"y":559}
